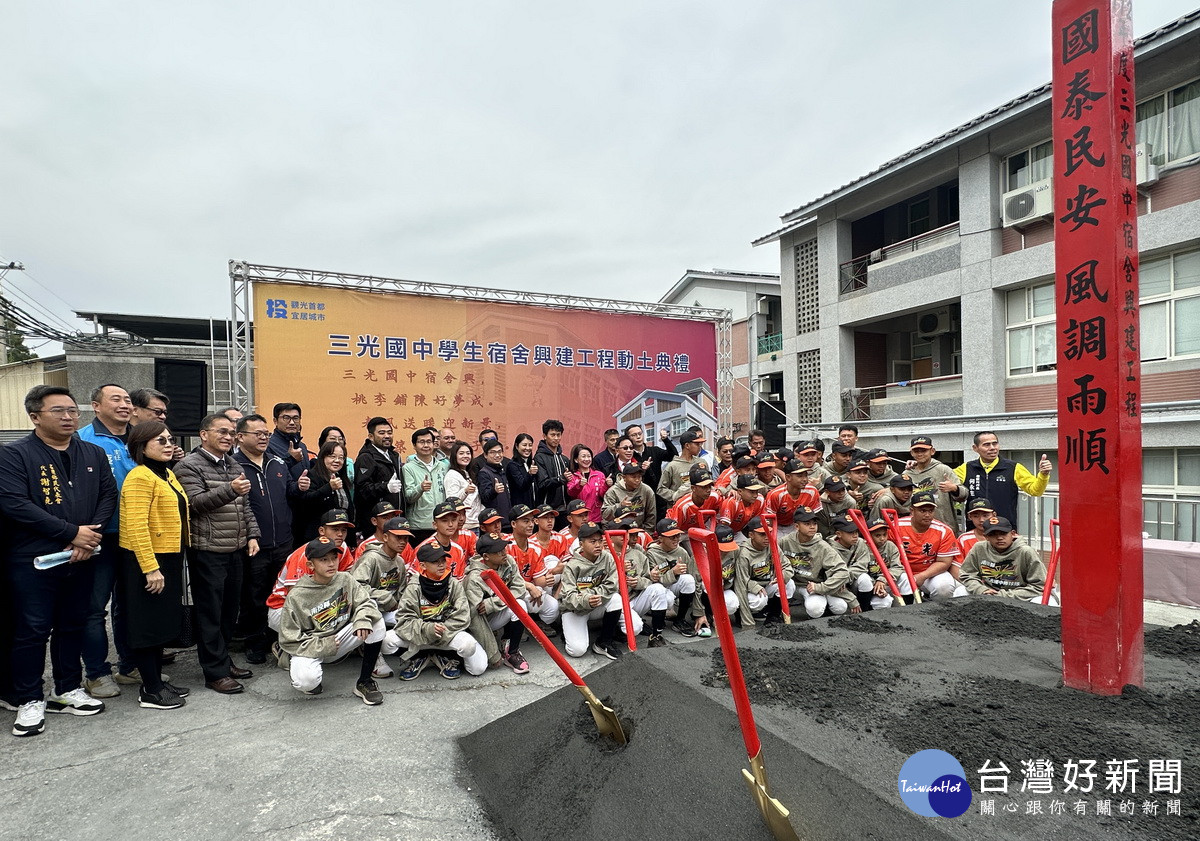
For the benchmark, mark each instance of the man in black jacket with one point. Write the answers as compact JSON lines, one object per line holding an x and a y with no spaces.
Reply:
{"x":553,"y":468}
{"x":56,"y":494}
{"x":377,"y":476}
{"x":268,"y":475}
{"x":652,"y":458}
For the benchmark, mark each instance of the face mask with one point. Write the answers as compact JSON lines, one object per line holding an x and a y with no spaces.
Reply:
{"x":433,"y":589}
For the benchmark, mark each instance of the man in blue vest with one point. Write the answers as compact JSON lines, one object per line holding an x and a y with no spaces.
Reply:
{"x":999,"y":479}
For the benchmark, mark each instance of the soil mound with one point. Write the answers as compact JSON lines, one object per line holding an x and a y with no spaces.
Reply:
{"x":997,"y":619}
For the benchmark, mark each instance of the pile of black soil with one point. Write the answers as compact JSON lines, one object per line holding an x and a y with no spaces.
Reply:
{"x":1182,"y":641}
{"x":860,"y":623}
{"x":542,"y":773}
{"x":795,"y":632}
{"x":825,"y":684}
{"x":996,"y":618}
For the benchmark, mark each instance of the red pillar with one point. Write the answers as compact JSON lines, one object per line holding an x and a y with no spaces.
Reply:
{"x":1099,"y":377}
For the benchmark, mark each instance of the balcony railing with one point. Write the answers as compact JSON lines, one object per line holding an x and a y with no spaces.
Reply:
{"x":770,"y":343}
{"x":856,"y":402}
{"x":853,"y":273}
{"x":1163,"y":518}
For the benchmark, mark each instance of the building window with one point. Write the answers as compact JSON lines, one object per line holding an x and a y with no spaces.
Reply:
{"x":1030,"y":330}
{"x":1169,"y":315}
{"x":1170,"y":123}
{"x":1029,"y":166}
{"x":1170,"y":311}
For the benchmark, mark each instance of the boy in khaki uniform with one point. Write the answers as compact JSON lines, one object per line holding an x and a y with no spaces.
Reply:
{"x":489,"y":613}
{"x":434,"y":614}
{"x":1003,"y":564}
{"x":590,"y":590}
{"x":647,"y":594}
{"x":382,"y":570}
{"x":817,"y":567}
{"x":677,"y":572}
{"x":326,"y":615}
{"x":754,"y":577}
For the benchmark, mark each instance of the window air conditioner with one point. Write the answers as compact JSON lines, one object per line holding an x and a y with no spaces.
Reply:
{"x":876,"y":256}
{"x":1028,"y":204}
{"x":1147,"y":173}
{"x":934,"y":323}
{"x":764,"y":386}
{"x":774,"y":396}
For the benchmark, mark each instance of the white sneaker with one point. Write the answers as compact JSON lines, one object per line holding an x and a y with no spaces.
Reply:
{"x":75,"y":702}
{"x":31,"y":719}
{"x":382,"y":670}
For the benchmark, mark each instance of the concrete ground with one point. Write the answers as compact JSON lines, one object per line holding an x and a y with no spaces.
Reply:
{"x":273,"y":764}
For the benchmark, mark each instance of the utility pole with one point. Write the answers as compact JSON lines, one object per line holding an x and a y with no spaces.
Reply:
{"x":4,"y":270}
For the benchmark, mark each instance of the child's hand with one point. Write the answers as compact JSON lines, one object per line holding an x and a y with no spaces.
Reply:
{"x":363,"y":633}
{"x":439,"y":628}
{"x":594,"y":600}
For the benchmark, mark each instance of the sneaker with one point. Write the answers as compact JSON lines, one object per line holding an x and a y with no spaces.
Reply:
{"x":316,"y":690}
{"x":704,"y":632}
{"x":6,"y":704}
{"x":382,"y":670}
{"x":75,"y":702}
{"x":134,"y":678}
{"x":516,"y":661}
{"x":448,"y":667}
{"x":181,"y":691}
{"x":368,"y":690}
{"x":548,"y":630}
{"x":684,"y":628}
{"x":656,"y":640}
{"x":31,"y":719}
{"x":165,"y":699}
{"x":607,"y":649}
{"x":256,"y":657}
{"x":414,"y":668}
{"x":102,"y":687}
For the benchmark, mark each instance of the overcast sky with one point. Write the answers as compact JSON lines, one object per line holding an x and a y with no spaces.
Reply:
{"x":600,"y":149}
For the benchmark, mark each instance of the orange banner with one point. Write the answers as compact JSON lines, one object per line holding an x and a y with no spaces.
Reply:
{"x":346,"y":356}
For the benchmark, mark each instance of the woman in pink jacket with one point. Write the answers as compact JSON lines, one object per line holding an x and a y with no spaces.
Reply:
{"x":586,"y":483}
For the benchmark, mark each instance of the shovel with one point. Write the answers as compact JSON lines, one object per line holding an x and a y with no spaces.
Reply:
{"x":858,"y":520}
{"x":893,"y":521}
{"x":773,"y":536}
{"x":606,"y":718}
{"x":1053,"y":567}
{"x":708,"y":559}
{"x":622,"y":581}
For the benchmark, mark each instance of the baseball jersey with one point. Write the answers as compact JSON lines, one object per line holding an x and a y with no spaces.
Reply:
{"x":686,"y":512}
{"x":466,"y":539}
{"x":736,"y":514}
{"x":783,"y":505}
{"x":937,"y":543}
{"x":295,"y":568}
{"x":408,"y":553}
{"x":965,"y":541}
{"x":458,"y":558}
{"x":528,"y":560}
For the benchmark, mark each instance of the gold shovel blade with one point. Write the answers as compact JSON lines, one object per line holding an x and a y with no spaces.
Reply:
{"x":774,"y":813}
{"x":606,"y":717}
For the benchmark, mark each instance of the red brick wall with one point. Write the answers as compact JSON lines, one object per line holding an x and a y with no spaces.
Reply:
{"x":740,"y":343}
{"x":1156,"y":388}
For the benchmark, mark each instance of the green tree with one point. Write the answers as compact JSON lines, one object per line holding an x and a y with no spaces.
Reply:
{"x":14,"y":342}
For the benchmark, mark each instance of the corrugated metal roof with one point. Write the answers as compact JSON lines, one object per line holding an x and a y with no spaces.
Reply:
{"x":982,"y":118}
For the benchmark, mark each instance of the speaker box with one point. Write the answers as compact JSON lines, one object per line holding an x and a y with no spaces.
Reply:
{"x":185,"y":382}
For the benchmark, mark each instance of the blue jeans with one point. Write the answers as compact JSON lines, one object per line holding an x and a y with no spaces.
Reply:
{"x":95,"y":634}
{"x":51,"y":605}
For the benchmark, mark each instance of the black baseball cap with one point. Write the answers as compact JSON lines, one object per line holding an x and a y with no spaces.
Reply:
{"x":384,"y":507}
{"x":783,"y":454}
{"x":922,"y":498}
{"x":858,"y":464}
{"x":588,"y":529}
{"x":834,"y":484}
{"x":877,"y":454}
{"x":443,"y":508}
{"x":920,"y":441}
{"x":1000,"y":525}
{"x":699,"y":476}
{"x":667,"y":527}
{"x":319,"y":548}
{"x":755,"y":524}
{"x":546,"y":511}
{"x":632,"y":468}
{"x":336,"y":517}
{"x":979,"y":503}
{"x":842,"y":524}
{"x":842,"y":449}
{"x":429,"y":553}
{"x":750,"y":483}
{"x":692,"y":438}
{"x":489,"y":515}
{"x":520,"y":511}
{"x":794,"y":465}
{"x":488,"y":544}
{"x":397,"y":526}
{"x":804,"y":514}
{"x":725,"y":541}
{"x":743,"y":462}
{"x":876,"y":523}
{"x":576,"y":505}
{"x":902,"y":481}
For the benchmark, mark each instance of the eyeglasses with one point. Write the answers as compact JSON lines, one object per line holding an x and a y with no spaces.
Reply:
{"x":625,"y":447}
{"x":61,"y":411}
{"x":158,"y":413}
{"x":290,"y":418}
{"x":165,"y":440}
{"x":337,"y":459}
{"x":256,"y":434}
{"x":221,"y":433}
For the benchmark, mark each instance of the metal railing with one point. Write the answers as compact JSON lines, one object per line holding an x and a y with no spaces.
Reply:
{"x":856,"y":402}
{"x":852,"y":275}
{"x":770,"y":343}
{"x":1163,"y":518}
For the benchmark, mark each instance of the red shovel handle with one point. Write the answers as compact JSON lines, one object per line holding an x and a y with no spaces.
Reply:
{"x":498,"y":586}
{"x":708,"y":516}
{"x":857,"y":517}
{"x":1053,"y":566}
{"x":773,"y":536}
{"x":890,"y":517}
{"x":630,"y":636}
{"x":708,"y":559}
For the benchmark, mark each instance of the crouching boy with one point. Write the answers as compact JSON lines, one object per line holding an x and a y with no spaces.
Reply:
{"x":326,"y":615}
{"x":590,"y":591}
{"x":434,"y":614}
{"x":382,"y":570}
{"x":489,"y":610}
{"x":867,"y":579}
{"x":817,"y":568}
{"x":1003,"y":564}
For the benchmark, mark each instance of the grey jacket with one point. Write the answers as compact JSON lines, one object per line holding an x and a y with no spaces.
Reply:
{"x":221,"y":520}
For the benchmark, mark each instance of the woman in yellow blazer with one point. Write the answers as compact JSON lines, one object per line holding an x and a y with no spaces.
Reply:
{"x":154,"y":533}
